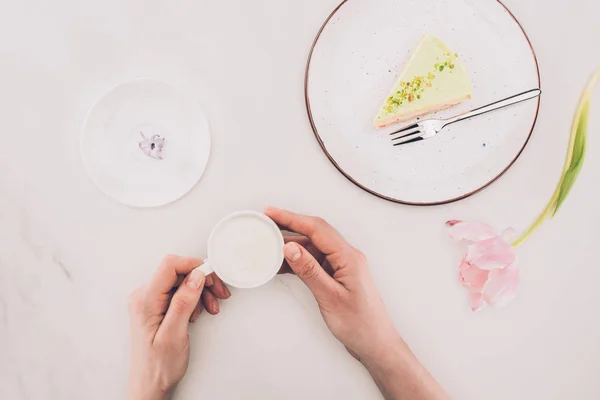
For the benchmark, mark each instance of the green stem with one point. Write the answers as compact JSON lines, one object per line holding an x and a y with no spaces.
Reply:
{"x":547,"y":211}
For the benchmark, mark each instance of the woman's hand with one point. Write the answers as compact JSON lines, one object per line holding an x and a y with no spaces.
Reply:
{"x":338,"y":276}
{"x":160,"y":313}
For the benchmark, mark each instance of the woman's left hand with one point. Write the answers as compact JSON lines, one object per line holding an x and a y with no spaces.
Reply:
{"x":160,"y":314}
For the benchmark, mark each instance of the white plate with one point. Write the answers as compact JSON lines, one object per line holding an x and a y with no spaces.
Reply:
{"x":357,"y":57}
{"x":111,"y":138}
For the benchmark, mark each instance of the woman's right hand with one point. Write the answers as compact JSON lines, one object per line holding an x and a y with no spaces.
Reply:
{"x":348,"y":299}
{"x":338,"y":276}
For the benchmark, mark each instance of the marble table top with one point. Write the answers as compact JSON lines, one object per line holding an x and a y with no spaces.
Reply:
{"x":69,"y":255}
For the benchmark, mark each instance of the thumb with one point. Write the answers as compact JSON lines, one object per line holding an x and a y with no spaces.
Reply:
{"x":183,"y":304}
{"x":309,"y":271}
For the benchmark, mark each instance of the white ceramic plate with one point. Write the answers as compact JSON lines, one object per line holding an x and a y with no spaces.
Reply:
{"x":357,"y":57}
{"x":112,"y":134}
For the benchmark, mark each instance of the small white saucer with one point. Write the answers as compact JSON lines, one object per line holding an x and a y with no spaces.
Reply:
{"x":145,"y":143}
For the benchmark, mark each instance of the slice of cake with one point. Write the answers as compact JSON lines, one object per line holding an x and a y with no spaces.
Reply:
{"x":433,"y":79}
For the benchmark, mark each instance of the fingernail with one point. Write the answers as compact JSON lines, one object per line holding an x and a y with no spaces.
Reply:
{"x":195,"y":316}
{"x":209,"y":280}
{"x":291,"y":251}
{"x":227,"y":292}
{"x":215,"y":306}
{"x":195,"y":279}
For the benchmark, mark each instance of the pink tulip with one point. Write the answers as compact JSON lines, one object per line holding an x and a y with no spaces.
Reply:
{"x":489,"y":269}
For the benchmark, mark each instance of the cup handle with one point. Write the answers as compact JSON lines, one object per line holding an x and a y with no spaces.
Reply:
{"x":206,"y":268}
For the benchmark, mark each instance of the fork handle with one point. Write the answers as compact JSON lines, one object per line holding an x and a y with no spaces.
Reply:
{"x":517,"y":98}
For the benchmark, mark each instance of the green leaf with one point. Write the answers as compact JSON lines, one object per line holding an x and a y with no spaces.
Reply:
{"x":573,"y":162}
{"x":577,"y":158}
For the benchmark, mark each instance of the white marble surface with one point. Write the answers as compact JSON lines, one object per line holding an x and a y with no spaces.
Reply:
{"x":69,"y":256}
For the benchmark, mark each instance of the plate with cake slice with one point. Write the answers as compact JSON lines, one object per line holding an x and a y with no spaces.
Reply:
{"x":379,"y":65}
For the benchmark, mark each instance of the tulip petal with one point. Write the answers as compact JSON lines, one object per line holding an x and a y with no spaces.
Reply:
{"x":508,"y":234}
{"x":477,"y":301}
{"x":473,"y":277}
{"x":471,"y":231}
{"x":489,"y":270}
{"x":501,"y":286}
{"x":490,"y":254}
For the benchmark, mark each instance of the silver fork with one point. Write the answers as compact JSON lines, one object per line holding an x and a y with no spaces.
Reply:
{"x":429,"y":128}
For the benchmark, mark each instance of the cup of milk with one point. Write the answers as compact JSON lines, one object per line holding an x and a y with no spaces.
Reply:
{"x":245,"y":250}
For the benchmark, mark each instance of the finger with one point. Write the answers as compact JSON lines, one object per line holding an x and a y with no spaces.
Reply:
{"x":307,"y":244}
{"x":310,"y":272}
{"x":210,"y":301}
{"x":321,"y":234}
{"x":218,"y":288}
{"x":182,"y":305}
{"x":166,"y":277}
{"x":210,"y":280}
{"x":197,"y":312}
{"x":178,"y":281}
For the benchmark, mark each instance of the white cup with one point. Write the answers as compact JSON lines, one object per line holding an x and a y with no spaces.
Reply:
{"x":245,"y":250}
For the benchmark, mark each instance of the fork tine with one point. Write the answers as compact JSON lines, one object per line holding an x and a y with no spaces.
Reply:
{"x":405,"y":128}
{"x":408,"y":141}
{"x":414,"y":131}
